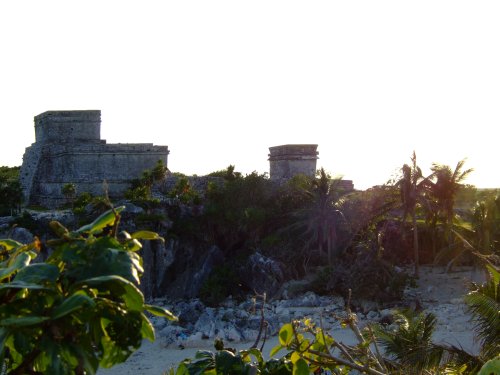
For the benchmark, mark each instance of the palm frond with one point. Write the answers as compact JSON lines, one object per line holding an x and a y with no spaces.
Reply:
{"x":410,"y":344}
{"x":484,"y":305}
{"x":455,"y":357}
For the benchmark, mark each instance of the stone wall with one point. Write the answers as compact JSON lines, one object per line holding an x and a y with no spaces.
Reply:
{"x":68,"y":127}
{"x":287,"y":161}
{"x":68,"y":149}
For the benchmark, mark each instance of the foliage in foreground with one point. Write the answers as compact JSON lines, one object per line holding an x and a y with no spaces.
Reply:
{"x":408,"y":347}
{"x":79,"y":310}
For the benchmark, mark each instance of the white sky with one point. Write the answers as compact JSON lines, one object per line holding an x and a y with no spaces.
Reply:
{"x":221,"y":81}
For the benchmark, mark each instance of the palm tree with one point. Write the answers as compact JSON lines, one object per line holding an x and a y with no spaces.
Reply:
{"x":321,"y":217}
{"x":413,"y":186}
{"x":484,"y":305}
{"x":410,"y":347}
{"x":444,"y":190}
{"x":486,"y":224}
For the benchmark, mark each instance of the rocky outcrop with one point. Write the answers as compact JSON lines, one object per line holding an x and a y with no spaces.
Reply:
{"x":157,"y":257}
{"x":262,"y":275}
{"x":240,"y":322}
{"x":190,"y":270}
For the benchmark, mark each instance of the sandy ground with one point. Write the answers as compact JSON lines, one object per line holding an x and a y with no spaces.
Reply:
{"x":439,"y":292}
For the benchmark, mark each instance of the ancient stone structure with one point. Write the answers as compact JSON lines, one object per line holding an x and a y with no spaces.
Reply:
{"x":69,"y":149}
{"x":287,"y":161}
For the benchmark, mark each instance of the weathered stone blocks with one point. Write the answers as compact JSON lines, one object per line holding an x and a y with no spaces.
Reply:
{"x":68,"y":149}
{"x":287,"y":161}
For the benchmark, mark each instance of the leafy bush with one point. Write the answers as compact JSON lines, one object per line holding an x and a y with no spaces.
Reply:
{"x":239,"y":213}
{"x":221,"y":283}
{"x":69,"y":192}
{"x":184,"y":192}
{"x":79,"y":310}
{"x":408,"y":346}
{"x":366,"y":275}
{"x":11,"y":195}
{"x":227,"y":361}
{"x":27,"y":221}
{"x":150,"y":220}
{"x":81,"y":202}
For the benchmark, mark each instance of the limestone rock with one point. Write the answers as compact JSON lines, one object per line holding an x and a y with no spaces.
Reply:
{"x":262,"y":275}
{"x":22,"y":235}
{"x":189,"y":270}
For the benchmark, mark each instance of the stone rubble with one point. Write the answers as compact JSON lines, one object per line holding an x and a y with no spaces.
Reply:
{"x":240,"y":322}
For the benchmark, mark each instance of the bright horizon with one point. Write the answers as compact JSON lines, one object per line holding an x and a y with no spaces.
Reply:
{"x":220,"y":82}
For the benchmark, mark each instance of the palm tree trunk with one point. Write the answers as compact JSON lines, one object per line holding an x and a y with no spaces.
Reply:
{"x":415,"y":243}
{"x":433,"y":238}
{"x":330,"y":251}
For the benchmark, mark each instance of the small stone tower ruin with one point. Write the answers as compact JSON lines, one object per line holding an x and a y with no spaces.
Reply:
{"x":287,"y":161}
{"x":69,"y":149}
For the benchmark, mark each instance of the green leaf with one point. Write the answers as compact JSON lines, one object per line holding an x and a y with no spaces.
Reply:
{"x":286,"y":334}
{"x":23,"y":285}
{"x":491,"y":367}
{"x":228,"y":363}
{"x":300,"y":367}
{"x":495,"y":275}
{"x":181,"y":370}
{"x":10,"y":244}
{"x":102,"y":257}
{"x":113,"y":353}
{"x":20,"y":261}
{"x":118,"y":286}
{"x":38,"y":273}
{"x":254,"y":352}
{"x":4,"y":335}
{"x":72,"y":303}
{"x":147,"y":235}
{"x":160,"y":311}
{"x":147,"y":330}
{"x":106,"y":219}
{"x":23,"y":321}
{"x":295,"y":357}
{"x":276,"y":349}
{"x":133,"y":245}
{"x":203,"y":364}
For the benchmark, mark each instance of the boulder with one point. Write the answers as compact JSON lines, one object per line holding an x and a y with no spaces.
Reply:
{"x":189,"y":312}
{"x":157,"y":257}
{"x":189,"y":270}
{"x":6,"y":220}
{"x":206,"y":322}
{"x":262,"y":275}
{"x":21,"y":235}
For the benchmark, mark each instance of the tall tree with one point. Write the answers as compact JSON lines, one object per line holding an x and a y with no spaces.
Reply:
{"x":413,"y":186}
{"x":445,"y":188}
{"x":486,"y":225}
{"x":320,"y":218}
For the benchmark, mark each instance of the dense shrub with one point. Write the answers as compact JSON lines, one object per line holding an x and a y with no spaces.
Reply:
{"x":236,"y":215}
{"x":80,"y":309}
{"x":25,"y":220}
{"x":366,"y":275}
{"x":10,"y":191}
{"x":221,"y":283}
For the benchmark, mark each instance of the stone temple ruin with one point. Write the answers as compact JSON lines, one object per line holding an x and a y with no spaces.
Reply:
{"x":69,"y":149}
{"x":287,"y":161}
